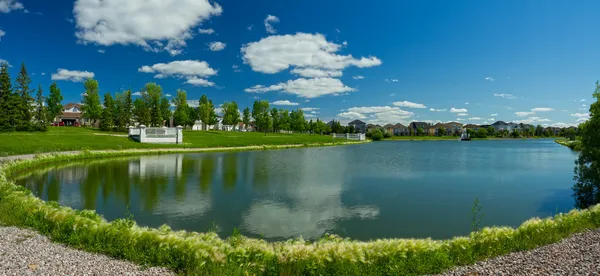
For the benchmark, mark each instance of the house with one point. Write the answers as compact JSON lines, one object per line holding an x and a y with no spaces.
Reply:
{"x":389,"y":128}
{"x":71,"y":114}
{"x":414,"y":126}
{"x":359,"y":126}
{"x":453,"y":128}
{"x":400,"y":130}
{"x":500,"y":126}
{"x":472,"y":126}
{"x":554,"y":130}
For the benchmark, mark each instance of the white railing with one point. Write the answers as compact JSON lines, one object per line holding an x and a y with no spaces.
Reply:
{"x":162,"y":135}
{"x":347,"y":136}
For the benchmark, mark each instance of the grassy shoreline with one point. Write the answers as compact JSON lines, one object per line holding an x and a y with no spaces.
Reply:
{"x":574,"y":145}
{"x":207,"y":254}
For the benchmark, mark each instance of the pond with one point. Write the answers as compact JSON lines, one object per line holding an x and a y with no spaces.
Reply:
{"x":386,"y":189}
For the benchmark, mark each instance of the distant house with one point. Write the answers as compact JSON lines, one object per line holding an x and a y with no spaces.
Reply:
{"x":414,"y":126}
{"x":359,"y":126}
{"x":71,"y":114}
{"x":554,"y":130}
{"x":400,"y":130}
{"x":500,"y":125}
{"x":472,"y":126}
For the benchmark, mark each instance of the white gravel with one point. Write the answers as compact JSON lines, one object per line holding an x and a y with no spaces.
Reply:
{"x":576,"y":255}
{"x":25,"y":252}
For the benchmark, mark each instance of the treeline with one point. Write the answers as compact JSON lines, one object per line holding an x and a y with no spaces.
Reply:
{"x":20,"y":111}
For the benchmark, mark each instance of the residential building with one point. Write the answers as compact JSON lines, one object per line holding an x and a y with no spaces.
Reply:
{"x":414,"y":126}
{"x":359,"y":126}
{"x":71,"y":114}
{"x":400,"y":130}
{"x":500,"y":125}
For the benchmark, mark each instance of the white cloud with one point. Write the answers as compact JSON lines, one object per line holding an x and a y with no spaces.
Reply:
{"x":236,"y":68}
{"x":581,"y":115}
{"x":271,"y":19}
{"x":276,"y":53}
{"x":249,"y":27}
{"x":136,"y":93}
{"x":286,"y":102}
{"x":466,"y":103}
{"x":206,"y":31}
{"x":193,"y":70}
{"x":358,"y":77}
{"x":583,"y":105}
{"x":5,"y":61}
{"x":524,"y":113}
{"x":392,"y":94}
{"x":216,"y":46}
{"x":492,"y":119}
{"x":306,"y":88}
{"x":144,"y":23}
{"x":102,"y":51}
{"x":474,"y":119}
{"x":43,"y":74}
{"x":409,"y":104}
{"x":437,"y":110}
{"x":390,"y":80}
{"x":316,"y":73}
{"x":582,"y":119}
{"x":542,"y":109}
{"x":489,"y":79}
{"x":10,"y":5}
{"x":351,"y":115}
{"x":168,"y":95}
{"x":458,"y":110}
{"x":2,"y":33}
{"x":533,"y":120}
{"x":506,"y":96}
{"x":310,"y":109}
{"x":199,"y":82}
{"x":462,"y":114}
{"x":494,"y":115}
{"x":345,"y":43}
{"x":75,"y":76}
{"x":582,"y":100}
{"x":460,"y":119}
{"x":310,"y":116}
{"x":508,"y":107}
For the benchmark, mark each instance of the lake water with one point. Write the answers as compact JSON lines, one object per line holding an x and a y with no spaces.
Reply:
{"x":378,"y":190}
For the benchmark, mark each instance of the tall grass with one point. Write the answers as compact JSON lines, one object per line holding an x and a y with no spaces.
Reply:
{"x":207,"y":254}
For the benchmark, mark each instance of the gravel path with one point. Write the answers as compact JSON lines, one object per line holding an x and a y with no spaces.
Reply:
{"x":576,"y":255}
{"x":25,"y":252}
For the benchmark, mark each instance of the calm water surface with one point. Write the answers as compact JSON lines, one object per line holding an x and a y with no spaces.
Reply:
{"x":376,"y":190}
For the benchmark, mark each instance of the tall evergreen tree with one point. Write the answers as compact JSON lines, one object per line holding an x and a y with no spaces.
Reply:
{"x":7,"y":106}
{"x":107,"y":119}
{"x":180,"y":117}
{"x":128,"y":108}
{"x":141,"y":113}
{"x":152,"y":94}
{"x":25,"y":100}
{"x":40,"y":112}
{"x":246,"y":118}
{"x":54,"y":103}
{"x":91,"y":109}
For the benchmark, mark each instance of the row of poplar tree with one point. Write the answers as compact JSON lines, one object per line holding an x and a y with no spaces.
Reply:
{"x":20,"y":110}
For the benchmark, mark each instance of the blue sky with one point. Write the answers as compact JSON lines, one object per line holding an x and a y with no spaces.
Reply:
{"x":389,"y":62}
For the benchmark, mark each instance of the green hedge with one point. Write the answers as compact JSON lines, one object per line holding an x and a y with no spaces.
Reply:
{"x":207,"y":254}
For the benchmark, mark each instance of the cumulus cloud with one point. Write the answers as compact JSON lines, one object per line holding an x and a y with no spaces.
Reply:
{"x":474,"y":119}
{"x":358,"y":77}
{"x":492,"y":119}
{"x":494,"y":115}
{"x":316,"y":73}
{"x":489,"y":79}
{"x":154,"y":25}
{"x":458,"y":110}
{"x":582,"y":119}
{"x":269,"y":21}
{"x":524,"y":113}
{"x":102,"y":51}
{"x":462,"y":114}
{"x":193,"y":70}
{"x":306,"y":88}
{"x":216,"y":46}
{"x":533,"y":120}
{"x":506,"y":96}
{"x":581,"y":115}
{"x":437,"y":110}
{"x":351,"y":115}
{"x":7,"y":6}
{"x":74,"y":75}
{"x":2,"y":33}
{"x":542,"y":109}
{"x":409,"y":104}
{"x":138,"y":93}
{"x":199,"y":82}
{"x":582,"y":100}
{"x":2,"y":61}
{"x":310,"y":109}
{"x":286,"y":102}
{"x":168,"y":95}
{"x":276,"y":53}
{"x":206,"y":31}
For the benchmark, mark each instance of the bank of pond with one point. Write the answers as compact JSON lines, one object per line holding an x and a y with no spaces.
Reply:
{"x":357,"y":207}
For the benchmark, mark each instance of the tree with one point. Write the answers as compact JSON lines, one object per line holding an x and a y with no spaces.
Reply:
{"x":181,"y":114}
{"x":165,"y":111}
{"x":539,"y":131}
{"x":107,"y":119}
{"x":246,"y":117}
{"x":515,"y":134}
{"x":420,"y":131}
{"x":40,"y":112}
{"x":122,"y":110}
{"x":285,"y":121}
{"x":25,"y":100}
{"x":262,"y":118}
{"x":491,"y":131}
{"x":587,"y":166}
{"x":7,"y":100}
{"x":91,"y":108}
{"x":482,"y":133}
{"x":571,"y":134}
{"x":231,"y":114}
{"x":54,"y":102}
{"x":441,"y":131}
{"x":276,"y":119}
{"x":206,"y":112}
{"x":192,"y":116}
{"x":297,"y":120}
{"x":152,"y":94}
{"x":141,"y":113}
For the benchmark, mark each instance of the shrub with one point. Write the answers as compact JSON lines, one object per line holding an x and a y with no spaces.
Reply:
{"x":387,"y":134}
{"x":377,"y":136}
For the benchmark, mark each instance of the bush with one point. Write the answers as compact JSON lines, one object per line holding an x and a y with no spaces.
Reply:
{"x":377,"y":136}
{"x":387,"y":134}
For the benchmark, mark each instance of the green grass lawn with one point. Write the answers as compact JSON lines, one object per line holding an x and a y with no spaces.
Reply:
{"x":72,"y":138}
